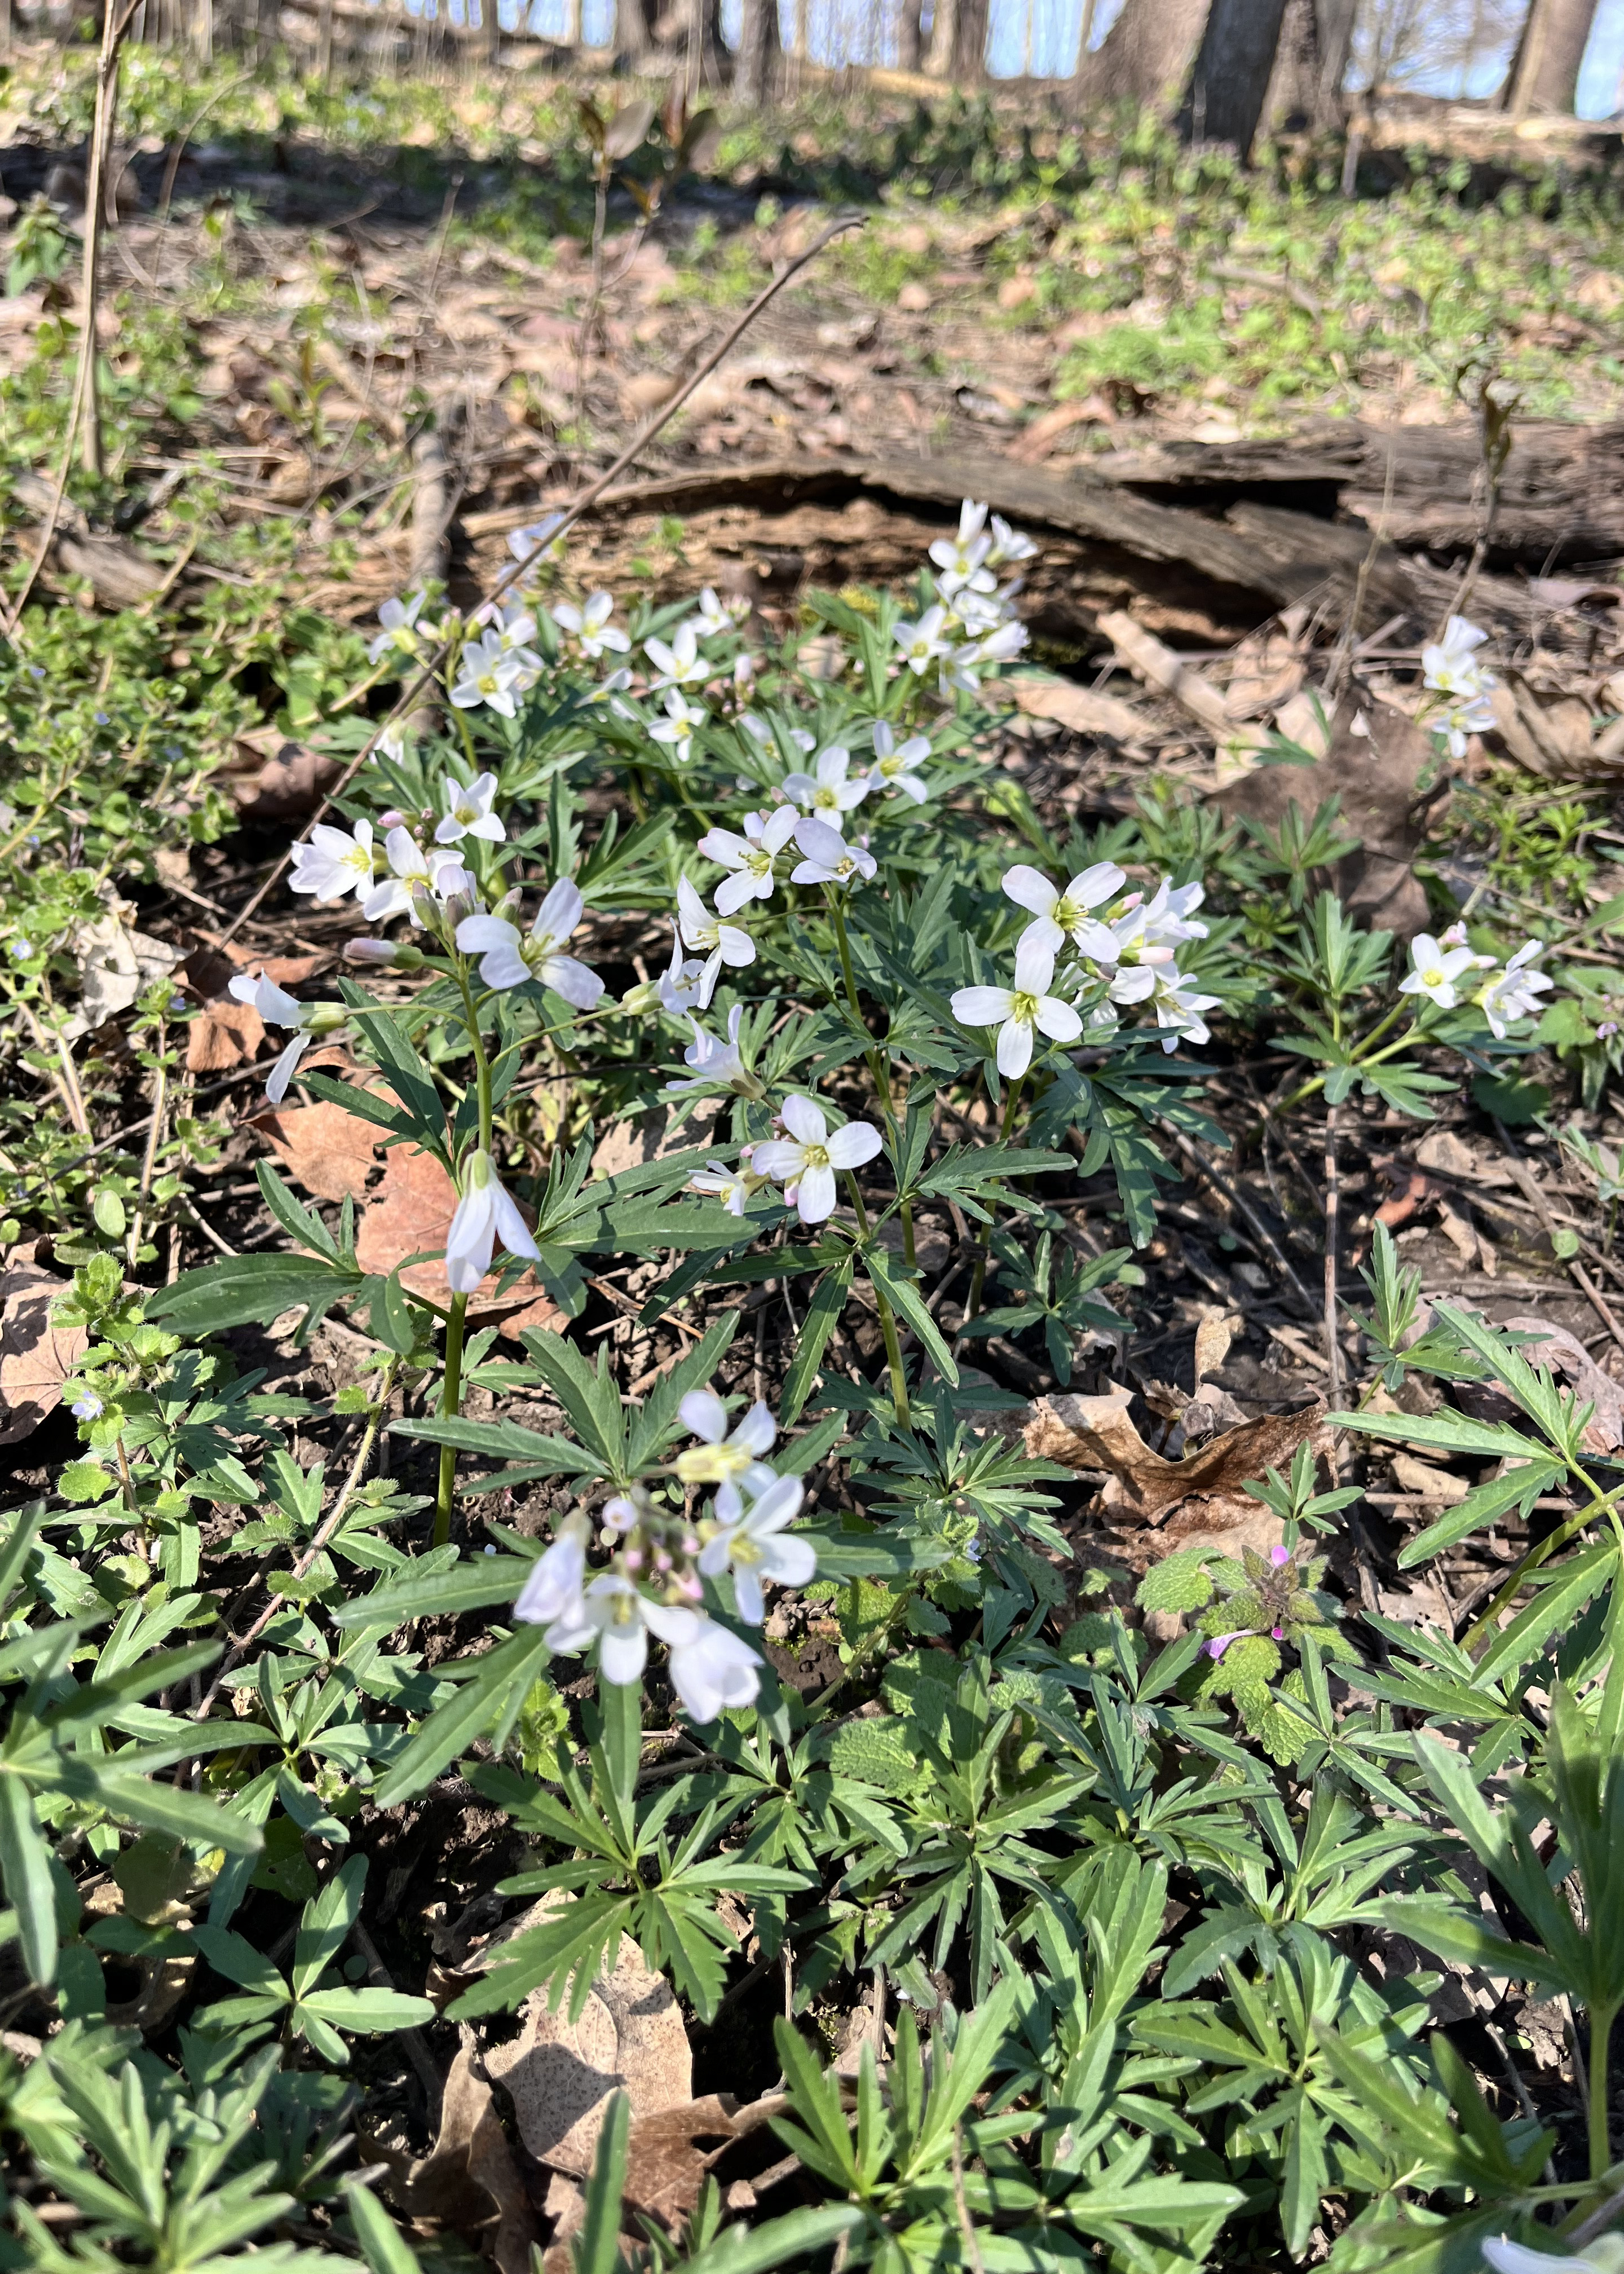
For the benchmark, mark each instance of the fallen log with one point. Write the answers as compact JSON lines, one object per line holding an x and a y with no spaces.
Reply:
{"x":1274,"y":552}
{"x":1562,"y":490}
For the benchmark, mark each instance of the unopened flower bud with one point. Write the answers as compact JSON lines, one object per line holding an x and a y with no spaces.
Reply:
{"x":400,"y":956}
{"x":394,"y":819}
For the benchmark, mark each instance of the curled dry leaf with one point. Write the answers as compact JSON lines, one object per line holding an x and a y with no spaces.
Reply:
{"x":35,"y":1357}
{"x":328,"y":1150}
{"x":559,"y":2073}
{"x":289,"y":781}
{"x":226,"y":1034}
{"x":1082,"y":709}
{"x":468,"y":2184}
{"x":1169,"y":1504}
{"x":116,"y":965}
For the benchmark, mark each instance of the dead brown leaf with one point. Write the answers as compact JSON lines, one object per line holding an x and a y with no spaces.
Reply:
{"x":227,"y":1034}
{"x":1554,"y":739}
{"x":1097,"y":1433}
{"x":35,"y":1357}
{"x":1080,"y":708}
{"x":1375,"y":774}
{"x":468,"y":2184}
{"x":288,"y":784}
{"x":328,"y":1150}
{"x":559,"y":2073}
{"x":411,"y":1210}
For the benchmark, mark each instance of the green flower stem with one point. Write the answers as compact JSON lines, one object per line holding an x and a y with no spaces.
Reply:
{"x":1602,"y":2018}
{"x":1601,"y":1504}
{"x":878,"y":1062}
{"x":466,"y":732}
{"x":888,"y":1323}
{"x":1316,"y":1082}
{"x":979,"y":1277}
{"x":451,"y":1388}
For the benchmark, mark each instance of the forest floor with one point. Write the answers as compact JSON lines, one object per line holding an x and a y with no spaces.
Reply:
{"x":309,"y":283}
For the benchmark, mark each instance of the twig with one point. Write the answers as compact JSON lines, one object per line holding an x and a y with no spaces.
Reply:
{"x":1527,"y":1185}
{"x":566,"y":520}
{"x":1243,"y":1209}
{"x":412,"y":2040}
{"x":1333,"y":1201}
{"x":172,"y":167}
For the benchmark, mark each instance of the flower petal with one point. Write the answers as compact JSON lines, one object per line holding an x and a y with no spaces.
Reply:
{"x":803,"y":1119}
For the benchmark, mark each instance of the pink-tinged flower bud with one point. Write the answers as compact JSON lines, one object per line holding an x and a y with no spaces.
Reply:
{"x":386,"y":952}
{"x":393,"y":819}
{"x":1278,"y":1555}
{"x":633,"y":1559}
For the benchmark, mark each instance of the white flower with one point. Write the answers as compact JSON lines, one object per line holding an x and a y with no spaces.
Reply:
{"x":676,"y":728}
{"x":923,"y":642}
{"x":826,"y":790}
{"x":962,"y":566}
{"x":612,"y":1614}
{"x":734,"y":1188}
{"x":1010,"y":544}
{"x":418,"y":878}
{"x":723,"y":1456}
{"x":1450,"y":665}
{"x":680,"y":665}
{"x":1178,"y":1012}
{"x":1435,"y":970}
{"x":715,"y":1062}
{"x":399,"y":635}
{"x":508,"y":958}
{"x":488,"y":674}
{"x":679,"y":985}
{"x":468,"y":812}
{"x":552,"y":1589}
{"x":487,"y":1212}
{"x":750,"y":857}
{"x":1450,"y":668}
{"x":1152,"y":930}
{"x":1020,"y":1008}
{"x":534,"y":543}
{"x":710,"y":619}
{"x":828,"y":859}
{"x":278,"y":1008}
{"x":334,"y":861}
{"x":895,"y":763}
{"x":710,"y":1669}
{"x":1508,"y":2257}
{"x":961,"y":557}
{"x":1001,"y":646}
{"x":717,"y":942}
{"x":805,"y":1161}
{"x":588,"y":630}
{"x":1067,"y":913}
{"x":1514,"y":992}
{"x":749,"y":1540}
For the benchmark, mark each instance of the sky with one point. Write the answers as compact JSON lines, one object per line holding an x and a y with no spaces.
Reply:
{"x":1041,"y":36}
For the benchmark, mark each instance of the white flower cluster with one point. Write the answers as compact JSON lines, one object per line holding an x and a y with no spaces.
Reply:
{"x":1438,"y":969}
{"x":1451,"y":668}
{"x":973,"y":621}
{"x":653,"y":1584}
{"x":1126,"y":949}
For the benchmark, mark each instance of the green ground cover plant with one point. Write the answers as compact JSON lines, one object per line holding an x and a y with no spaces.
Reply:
{"x":1147,"y":1888}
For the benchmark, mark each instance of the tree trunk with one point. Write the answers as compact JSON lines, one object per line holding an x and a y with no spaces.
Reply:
{"x":1544,"y":70}
{"x":944,"y":39}
{"x":1310,"y":65}
{"x":908,"y":42}
{"x":1231,"y":76}
{"x":970,"y":21}
{"x":758,"y":73}
{"x":634,"y":29}
{"x":1147,"y":55}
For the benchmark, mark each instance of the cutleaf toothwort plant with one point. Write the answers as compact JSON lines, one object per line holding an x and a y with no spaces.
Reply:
{"x":841,"y":948}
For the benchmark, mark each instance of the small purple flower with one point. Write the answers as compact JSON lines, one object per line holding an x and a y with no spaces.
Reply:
{"x":1220,"y":1643}
{"x":1278,"y":1555}
{"x":1279,"y":1633}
